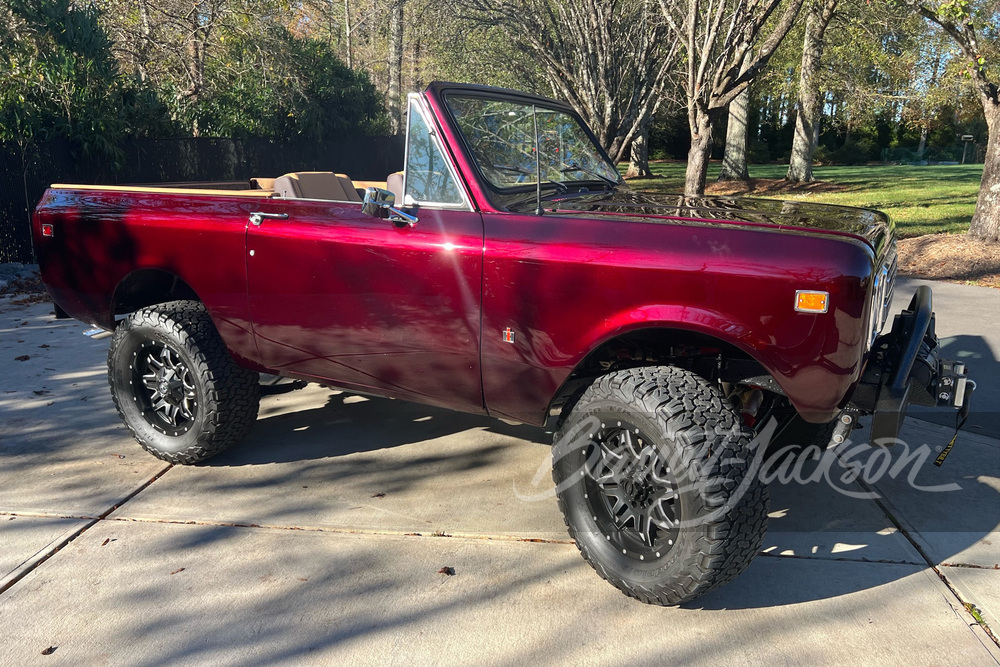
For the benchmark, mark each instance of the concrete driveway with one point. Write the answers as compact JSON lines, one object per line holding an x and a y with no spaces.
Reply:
{"x":320,"y":539}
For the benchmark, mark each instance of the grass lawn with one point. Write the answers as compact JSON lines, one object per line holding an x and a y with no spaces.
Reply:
{"x":921,"y":200}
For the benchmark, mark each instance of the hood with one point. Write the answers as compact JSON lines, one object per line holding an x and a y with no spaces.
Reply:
{"x":873,"y":227}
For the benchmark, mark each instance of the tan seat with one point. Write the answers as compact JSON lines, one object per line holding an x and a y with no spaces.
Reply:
{"x":394,"y":184}
{"x":262,"y":183}
{"x":316,"y":185}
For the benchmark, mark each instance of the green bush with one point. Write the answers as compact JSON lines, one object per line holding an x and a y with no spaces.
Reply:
{"x":58,"y":79}
{"x":823,"y":156}
{"x":758,"y":152}
{"x":296,"y":88}
{"x":948,"y":153}
{"x":856,"y":152}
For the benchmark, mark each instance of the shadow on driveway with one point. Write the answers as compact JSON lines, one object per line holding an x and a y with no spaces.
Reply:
{"x":351,"y":424}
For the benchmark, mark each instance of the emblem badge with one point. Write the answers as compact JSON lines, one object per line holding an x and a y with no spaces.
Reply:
{"x":508,"y":335}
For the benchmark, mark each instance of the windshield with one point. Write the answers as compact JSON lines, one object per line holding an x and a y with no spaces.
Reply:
{"x":501,"y":137}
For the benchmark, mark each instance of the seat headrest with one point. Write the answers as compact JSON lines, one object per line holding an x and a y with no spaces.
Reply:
{"x":394,"y":184}
{"x":316,"y":185}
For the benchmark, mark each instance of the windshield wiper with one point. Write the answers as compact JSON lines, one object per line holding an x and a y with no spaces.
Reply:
{"x":572,"y":166}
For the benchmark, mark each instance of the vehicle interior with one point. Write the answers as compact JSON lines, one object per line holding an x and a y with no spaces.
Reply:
{"x":325,"y":185}
{"x":315,"y":185}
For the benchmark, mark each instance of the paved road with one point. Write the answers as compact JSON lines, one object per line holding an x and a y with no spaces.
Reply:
{"x":319,"y":540}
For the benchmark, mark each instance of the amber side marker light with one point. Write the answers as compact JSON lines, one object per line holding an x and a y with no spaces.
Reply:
{"x":807,"y":301}
{"x":47,"y":230}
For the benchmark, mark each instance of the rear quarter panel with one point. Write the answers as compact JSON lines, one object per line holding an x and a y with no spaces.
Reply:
{"x":101,"y":236}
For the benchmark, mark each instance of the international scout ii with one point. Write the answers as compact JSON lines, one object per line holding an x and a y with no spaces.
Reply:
{"x":508,"y":271}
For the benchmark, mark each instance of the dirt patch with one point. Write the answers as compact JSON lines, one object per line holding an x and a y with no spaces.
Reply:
{"x":770,"y":187}
{"x":952,"y":257}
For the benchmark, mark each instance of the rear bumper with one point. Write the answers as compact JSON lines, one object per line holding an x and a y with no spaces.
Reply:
{"x":904,"y":368}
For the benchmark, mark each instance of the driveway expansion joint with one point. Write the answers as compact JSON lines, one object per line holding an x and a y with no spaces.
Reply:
{"x":91,"y":522}
{"x":48,"y":515}
{"x":937,"y":569}
{"x":346,"y":531}
{"x":877,"y":561}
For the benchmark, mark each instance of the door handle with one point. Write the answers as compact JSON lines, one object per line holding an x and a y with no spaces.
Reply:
{"x":257,"y":217}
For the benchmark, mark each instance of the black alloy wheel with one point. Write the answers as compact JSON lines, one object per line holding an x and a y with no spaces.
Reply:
{"x":631,"y":486}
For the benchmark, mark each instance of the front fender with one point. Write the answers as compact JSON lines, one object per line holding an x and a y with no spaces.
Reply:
{"x":807,"y":368}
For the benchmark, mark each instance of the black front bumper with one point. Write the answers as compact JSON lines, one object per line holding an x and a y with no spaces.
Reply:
{"x":904,"y":368}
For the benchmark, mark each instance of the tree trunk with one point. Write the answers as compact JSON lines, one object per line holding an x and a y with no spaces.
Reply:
{"x":144,"y":43}
{"x":416,"y":66}
{"x":395,"y":67}
{"x":196,"y":74}
{"x":922,"y":146}
{"x":985,"y":225}
{"x":925,"y":125}
{"x":701,"y":124}
{"x":734,"y":160}
{"x":807,"y":117}
{"x":638,"y":166}
{"x":347,"y":34}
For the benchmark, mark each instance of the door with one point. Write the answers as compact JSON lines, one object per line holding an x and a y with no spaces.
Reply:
{"x":366,"y":303}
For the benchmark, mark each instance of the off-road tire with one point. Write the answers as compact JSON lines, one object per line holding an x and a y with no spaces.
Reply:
{"x":224,"y":396}
{"x":688,"y":431}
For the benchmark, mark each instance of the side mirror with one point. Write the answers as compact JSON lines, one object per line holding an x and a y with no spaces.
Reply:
{"x":377,"y":200}
{"x":380,"y":203}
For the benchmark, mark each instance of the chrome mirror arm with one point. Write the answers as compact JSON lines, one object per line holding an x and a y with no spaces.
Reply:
{"x":378,"y":200}
{"x":401,"y":218}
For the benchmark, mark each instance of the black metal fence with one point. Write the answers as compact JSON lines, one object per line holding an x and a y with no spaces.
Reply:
{"x":24,"y":174}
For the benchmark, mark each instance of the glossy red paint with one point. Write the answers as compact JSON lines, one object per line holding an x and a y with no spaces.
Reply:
{"x":104,"y":236}
{"x":422,"y":313}
{"x":348,"y":298}
{"x":567,"y":284}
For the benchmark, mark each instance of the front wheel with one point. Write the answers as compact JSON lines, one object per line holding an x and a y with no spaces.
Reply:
{"x":176,"y":386}
{"x":656,"y":476}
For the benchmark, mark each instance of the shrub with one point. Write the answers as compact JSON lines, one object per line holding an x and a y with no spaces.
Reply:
{"x":822,"y":156}
{"x":856,"y":152}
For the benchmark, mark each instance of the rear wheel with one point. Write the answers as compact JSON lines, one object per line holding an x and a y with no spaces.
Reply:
{"x":656,"y":477}
{"x":176,"y":386}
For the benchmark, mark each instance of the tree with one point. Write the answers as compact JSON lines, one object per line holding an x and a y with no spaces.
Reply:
{"x":245,"y":68}
{"x":715,"y":37}
{"x":58,"y":78}
{"x":457,"y":47}
{"x":807,"y":108}
{"x":971,"y":25}
{"x":171,"y":43}
{"x":608,"y":58}
{"x":296,"y":88}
